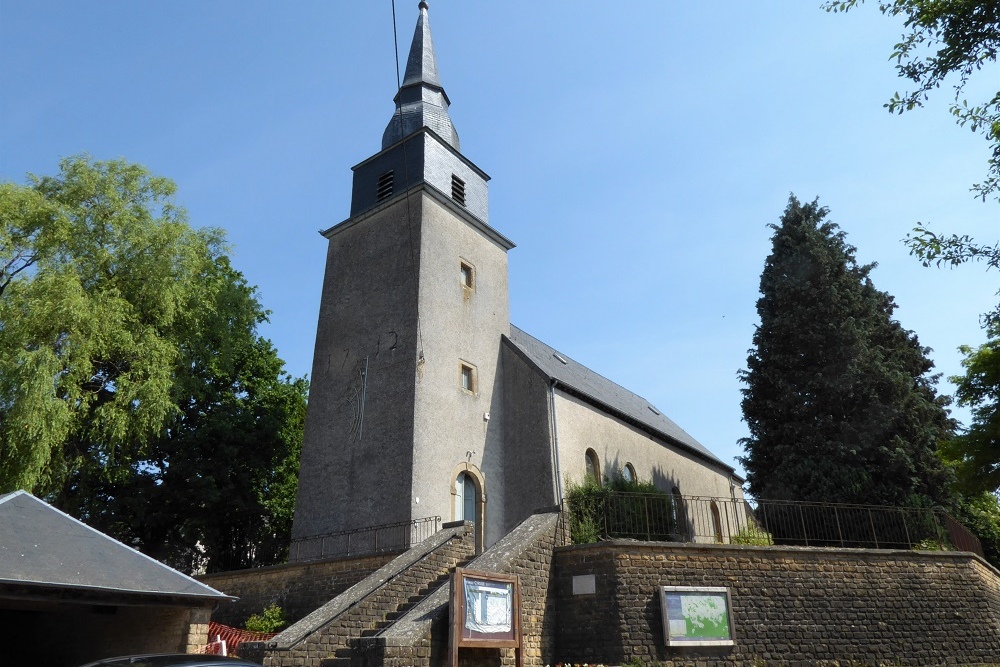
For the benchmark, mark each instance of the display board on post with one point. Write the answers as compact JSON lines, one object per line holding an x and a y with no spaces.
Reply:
{"x":485,"y":612}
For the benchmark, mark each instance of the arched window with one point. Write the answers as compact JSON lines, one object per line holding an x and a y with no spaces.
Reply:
{"x":628,"y":473}
{"x":716,"y":523}
{"x":593,"y":466}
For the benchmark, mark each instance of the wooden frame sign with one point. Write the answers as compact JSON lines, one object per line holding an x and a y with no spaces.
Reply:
{"x":485,"y":612}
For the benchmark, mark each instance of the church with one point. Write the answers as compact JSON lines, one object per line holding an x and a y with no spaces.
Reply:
{"x":425,"y":400}
{"x":439,"y":437}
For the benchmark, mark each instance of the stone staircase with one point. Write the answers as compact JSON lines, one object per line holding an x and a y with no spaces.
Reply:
{"x":410,"y":603}
{"x":419,"y":636}
{"x":398,"y":616}
{"x":326,"y":636}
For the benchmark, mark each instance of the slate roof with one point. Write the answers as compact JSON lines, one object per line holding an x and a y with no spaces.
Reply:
{"x":421,"y":100}
{"x":39,"y":545}
{"x":599,"y":390}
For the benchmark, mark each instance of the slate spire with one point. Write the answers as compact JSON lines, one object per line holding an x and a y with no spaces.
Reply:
{"x":421,"y":101}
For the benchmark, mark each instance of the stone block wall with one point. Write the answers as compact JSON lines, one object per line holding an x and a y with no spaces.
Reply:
{"x":298,"y":588}
{"x":793,"y":607}
{"x":197,"y":630}
{"x":375,"y":601}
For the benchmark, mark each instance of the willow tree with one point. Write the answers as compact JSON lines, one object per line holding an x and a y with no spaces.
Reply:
{"x":90,"y":326}
{"x":135,"y":390}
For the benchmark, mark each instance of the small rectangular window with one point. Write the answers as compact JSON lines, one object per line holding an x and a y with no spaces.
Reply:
{"x":467,"y":275}
{"x":384,"y":187}
{"x":468,"y":378}
{"x":458,"y":190}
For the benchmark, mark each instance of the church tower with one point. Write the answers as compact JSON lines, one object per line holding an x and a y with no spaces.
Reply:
{"x":404,"y":418}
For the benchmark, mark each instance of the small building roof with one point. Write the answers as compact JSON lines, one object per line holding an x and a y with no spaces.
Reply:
{"x":42,"y":546}
{"x":602,"y":392}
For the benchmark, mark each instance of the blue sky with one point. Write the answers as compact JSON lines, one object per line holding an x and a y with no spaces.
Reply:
{"x":638,"y":152}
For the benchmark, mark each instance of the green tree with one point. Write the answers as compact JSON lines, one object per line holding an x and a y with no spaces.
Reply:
{"x":103,"y":285}
{"x":839,"y":401}
{"x":135,"y":391}
{"x":975,"y":452}
{"x":980,"y":512}
{"x":216,"y":489}
{"x":271,"y":619}
{"x":30,"y":227}
{"x":947,"y":41}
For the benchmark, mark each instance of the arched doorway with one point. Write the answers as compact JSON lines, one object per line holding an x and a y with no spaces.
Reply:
{"x":465,"y":498}
{"x":469,"y":499}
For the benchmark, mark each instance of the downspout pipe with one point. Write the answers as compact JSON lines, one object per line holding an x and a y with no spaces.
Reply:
{"x":557,"y":471}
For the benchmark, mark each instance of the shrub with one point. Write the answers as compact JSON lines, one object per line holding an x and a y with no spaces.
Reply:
{"x":584,"y":503}
{"x":271,"y":619}
{"x":629,"y":517}
{"x":753,"y":535}
{"x":931,"y":544}
{"x":584,"y":530}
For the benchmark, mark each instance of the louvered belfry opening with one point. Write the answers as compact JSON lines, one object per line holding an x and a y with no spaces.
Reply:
{"x":458,"y":190}
{"x":383,"y":188}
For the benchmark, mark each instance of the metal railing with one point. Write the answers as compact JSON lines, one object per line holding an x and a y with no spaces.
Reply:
{"x":655,"y":517}
{"x":365,"y":541}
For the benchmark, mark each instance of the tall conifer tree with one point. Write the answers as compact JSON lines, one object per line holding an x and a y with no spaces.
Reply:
{"x":839,"y":399}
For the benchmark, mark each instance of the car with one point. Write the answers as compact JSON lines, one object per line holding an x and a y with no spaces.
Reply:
{"x":172,"y":660}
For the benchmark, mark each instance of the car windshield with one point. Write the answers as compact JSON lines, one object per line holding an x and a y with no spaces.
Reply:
{"x":179,"y":660}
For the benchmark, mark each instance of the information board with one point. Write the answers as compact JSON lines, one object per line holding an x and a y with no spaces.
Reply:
{"x":696,"y":616}
{"x":489,"y":608}
{"x":485,"y":611}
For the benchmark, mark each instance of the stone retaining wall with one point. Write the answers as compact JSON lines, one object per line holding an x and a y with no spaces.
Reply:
{"x":793,"y":607}
{"x":298,"y":588}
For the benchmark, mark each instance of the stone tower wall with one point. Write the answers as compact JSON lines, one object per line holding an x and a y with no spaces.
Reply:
{"x":453,"y":426}
{"x":356,"y":466}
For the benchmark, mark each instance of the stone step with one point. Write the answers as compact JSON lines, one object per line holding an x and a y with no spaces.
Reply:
{"x":403,"y":606}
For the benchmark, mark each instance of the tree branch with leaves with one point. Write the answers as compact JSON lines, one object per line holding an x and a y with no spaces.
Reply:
{"x":947,"y":41}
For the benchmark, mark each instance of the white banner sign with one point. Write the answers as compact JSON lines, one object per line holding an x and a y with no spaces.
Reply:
{"x":488,"y":606}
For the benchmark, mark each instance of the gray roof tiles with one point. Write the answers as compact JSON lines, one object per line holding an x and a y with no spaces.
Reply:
{"x":421,"y":100}
{"x":602,"y":391}
{"x":40,"y":545}
{"x":421,"y":65}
